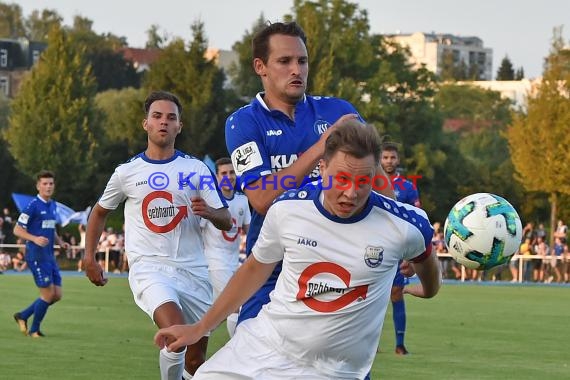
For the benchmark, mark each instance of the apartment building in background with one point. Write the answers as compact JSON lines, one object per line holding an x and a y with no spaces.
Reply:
{"x":430,"y":49}
{"x":17,"y":56}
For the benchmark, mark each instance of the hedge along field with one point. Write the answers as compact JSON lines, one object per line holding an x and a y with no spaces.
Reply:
{"x":468,"y":331}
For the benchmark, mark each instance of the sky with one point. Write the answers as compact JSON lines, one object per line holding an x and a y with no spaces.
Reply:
{"x":521,"y":29}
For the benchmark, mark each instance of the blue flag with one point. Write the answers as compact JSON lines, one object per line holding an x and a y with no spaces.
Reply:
{"x":65,"y":214}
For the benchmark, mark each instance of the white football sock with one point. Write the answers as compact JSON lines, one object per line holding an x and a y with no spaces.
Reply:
{"x":186,"y":375}
{"x":171,"y":364}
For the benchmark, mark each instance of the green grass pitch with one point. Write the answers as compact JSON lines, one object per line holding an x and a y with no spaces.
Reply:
{"x":467,"y":332}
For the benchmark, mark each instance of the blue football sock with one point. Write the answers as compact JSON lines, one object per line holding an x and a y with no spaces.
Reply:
{"x":27,"y":312}
{"x":39,"y":314}
{"x":399,"y":316}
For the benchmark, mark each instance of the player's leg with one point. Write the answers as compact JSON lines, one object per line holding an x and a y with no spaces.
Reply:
{"x":171,"y":363}
{"x":48,"y":281}
{"x":399,"y":312}
{"x":195,"y":295}
{"x":219,"y":279}
{"x":153,"y":291}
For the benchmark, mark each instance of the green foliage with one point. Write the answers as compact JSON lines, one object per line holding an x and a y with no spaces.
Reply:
{"x":110,"y":68}
{"x":39,"y":24}
{"x":198,"y":83}
{"x":506,"y":71}
{"x":11,"y":21}
{"x":243,"y":77}
{"x":123,"y":114}
{"x":154,"y":39}
{"x":481,"y":143}
{"x":539,"y":141}
{"x":53,"y":122}
{"x":345,"y":54}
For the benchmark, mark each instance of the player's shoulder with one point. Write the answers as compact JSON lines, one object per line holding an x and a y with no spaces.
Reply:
{"x":304,"y":193}
{"x":329,"y":101}
{"x":399,"y":210}
{"x":245,"y":113}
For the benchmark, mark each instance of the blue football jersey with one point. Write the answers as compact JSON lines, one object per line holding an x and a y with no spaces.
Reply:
{"x":405,"y":191}
{"x":263,"y":141}
{"x":39,"y":218}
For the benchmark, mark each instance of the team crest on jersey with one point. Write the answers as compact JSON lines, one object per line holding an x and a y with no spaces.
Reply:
{"x":373,"y":256}
{"x":246,"y":157}
{"x":321,"y":126}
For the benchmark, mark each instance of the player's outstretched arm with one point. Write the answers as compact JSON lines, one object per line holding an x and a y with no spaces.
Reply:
{"x":247,"y":280}
{"x":265,"y":190}
{"x":95,"y":226}
{"x":430,"y":278}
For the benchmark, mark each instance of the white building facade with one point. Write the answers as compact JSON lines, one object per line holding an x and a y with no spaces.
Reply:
{"x":429,"y":49}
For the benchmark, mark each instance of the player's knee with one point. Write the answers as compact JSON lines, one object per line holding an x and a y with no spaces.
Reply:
{"x":192,"y":364}
{"x":397,"y":294}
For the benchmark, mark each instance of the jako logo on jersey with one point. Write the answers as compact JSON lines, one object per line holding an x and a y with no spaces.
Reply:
{"x":274,"y":132}
{"x":321,"y":126}
{"x":246,"y":157}
{"x":349,"y":296}
{"x":308,"y":242}
{"x":373,"y":256}
{"x":159,"y":212}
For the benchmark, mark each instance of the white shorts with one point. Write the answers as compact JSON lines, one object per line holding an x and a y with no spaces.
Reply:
{"x":248,"y":356}
{"x":154,"y":284}
{"x":219,"y":279}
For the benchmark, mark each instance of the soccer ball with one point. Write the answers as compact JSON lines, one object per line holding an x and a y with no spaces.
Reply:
{"x":482,"y":231}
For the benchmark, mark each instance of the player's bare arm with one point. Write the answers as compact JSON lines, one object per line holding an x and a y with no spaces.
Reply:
{"x":95,"y":227}
{"x":220,"y":217}
{"x":430,"y":278}
{"x":247,"y":280}
{"x":261,"y":195}
{"x":22,"y":233}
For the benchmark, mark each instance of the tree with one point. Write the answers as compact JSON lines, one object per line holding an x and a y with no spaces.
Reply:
{"x":519,"y":74}
{"x":110,"y":68}
{"x":154,"y":39}
{"x":53,"y":122}
{"x":244,"y":79}
{"x":539,"y":141}
{"x":123,"y":110}
{"x":11,"y":21}
{"x":506,"y":71}
{"x":38,"y":25}
{"x":199,"y":84}
{"x":346,"y":57}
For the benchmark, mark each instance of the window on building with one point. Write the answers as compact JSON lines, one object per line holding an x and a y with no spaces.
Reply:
{"x":4,"y":86}
{"x":3,"y":58}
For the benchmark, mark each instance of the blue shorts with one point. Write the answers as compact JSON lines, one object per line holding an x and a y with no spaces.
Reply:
{"x":253,"y":306}
{"x":45,"y":273}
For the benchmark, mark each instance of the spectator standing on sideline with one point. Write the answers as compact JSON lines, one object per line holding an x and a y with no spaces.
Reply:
{"x":406,"y":192}
{"x":165,"y":198}
{"x":37,"y":225}
{"x":222,"y":247}
{"x":277,"y":140}
{"x":339,"y":255}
